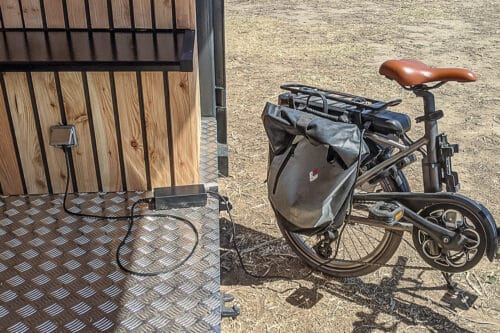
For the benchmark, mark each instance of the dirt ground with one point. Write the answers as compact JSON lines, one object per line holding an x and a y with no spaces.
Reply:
{"x":341,"y":44}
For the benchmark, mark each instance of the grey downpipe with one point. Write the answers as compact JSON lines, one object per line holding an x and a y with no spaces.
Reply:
{"x":220,"y":86}
{"x":205,"y":39}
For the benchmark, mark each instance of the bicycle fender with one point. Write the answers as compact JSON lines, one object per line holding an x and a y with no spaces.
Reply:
{"x":418,"y":201}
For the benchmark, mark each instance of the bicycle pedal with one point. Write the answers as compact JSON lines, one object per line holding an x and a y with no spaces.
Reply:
{"x":387,"y":212}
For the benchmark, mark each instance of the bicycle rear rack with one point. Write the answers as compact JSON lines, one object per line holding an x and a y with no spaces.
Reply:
{"x":334,"y":100}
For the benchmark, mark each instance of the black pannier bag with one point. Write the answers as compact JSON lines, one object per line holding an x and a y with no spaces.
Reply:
{"x":312,"y":167}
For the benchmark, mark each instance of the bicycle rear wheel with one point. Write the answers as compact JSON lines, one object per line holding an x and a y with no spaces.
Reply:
{"x":362,"y":249}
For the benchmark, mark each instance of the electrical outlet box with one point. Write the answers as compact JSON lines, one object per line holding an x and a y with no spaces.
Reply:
{"x":180,"y":197}
{"x":62,"y":136}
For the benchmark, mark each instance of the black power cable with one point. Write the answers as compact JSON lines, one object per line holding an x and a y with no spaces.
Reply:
{"x":129,"y":231}
{"x":266,"y":276}
{"x":131,"y":218}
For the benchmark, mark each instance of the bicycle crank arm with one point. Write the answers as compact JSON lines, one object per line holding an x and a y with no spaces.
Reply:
{"x":447,"y":239}
{"x":398,"y":226}
{"x":415,"y":202}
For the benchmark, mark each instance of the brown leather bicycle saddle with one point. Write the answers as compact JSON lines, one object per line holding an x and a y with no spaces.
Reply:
{"x":409,"y":72}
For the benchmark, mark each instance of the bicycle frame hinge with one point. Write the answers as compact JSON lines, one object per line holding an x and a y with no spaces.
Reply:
{"x":407,"y":160}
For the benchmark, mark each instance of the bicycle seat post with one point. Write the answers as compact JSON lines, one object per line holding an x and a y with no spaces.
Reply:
{"x":430,"y":165}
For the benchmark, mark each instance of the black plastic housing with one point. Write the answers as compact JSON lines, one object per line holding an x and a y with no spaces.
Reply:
{"x":185,"y":196}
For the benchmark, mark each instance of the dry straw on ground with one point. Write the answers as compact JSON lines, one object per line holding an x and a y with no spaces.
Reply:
{"x":340,"y":44}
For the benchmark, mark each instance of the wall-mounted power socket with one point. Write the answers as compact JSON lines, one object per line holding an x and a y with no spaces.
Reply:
{"x":63,"y":136}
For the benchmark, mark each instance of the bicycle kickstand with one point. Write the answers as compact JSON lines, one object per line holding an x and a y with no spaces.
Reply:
{"x":452,"y":285}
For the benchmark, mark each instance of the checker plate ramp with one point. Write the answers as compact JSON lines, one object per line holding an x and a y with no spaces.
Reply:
{"x":59,"y":273}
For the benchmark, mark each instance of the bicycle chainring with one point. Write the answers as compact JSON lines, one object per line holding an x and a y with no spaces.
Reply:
{"x":457,"y":219}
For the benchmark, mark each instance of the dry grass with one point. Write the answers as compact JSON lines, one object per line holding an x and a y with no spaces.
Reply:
{"x":340,"y":44}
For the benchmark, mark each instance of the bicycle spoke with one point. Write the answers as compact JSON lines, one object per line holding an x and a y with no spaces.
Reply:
{"x":368,"y":236}
{"x":362,"y":232}
{"x":354,"y":245}
{"x":359,"y":246}
{"x":345,"y":248}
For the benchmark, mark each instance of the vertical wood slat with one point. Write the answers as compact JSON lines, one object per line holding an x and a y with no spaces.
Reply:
{"x":163,"y":14}
{"x":121,"y":14}
{"x":10,"y":175}
{"x":130,"y":126}
{"x":54,"y":13}
{"x":32,"y":13}
{"x":186,"y":122}
{"x":76,"y":114}
{"x":26,"y":132}
{"x":76,"y":14}
{"x":185,"y":111}
{"x":105,"y":130}
{"x":11,"y":14}
{"x":142,"y":13}
{"x":47,"y":102}
{"x":99,"y":14}
{"x":185,"y":14}
{"x":156,"y":128}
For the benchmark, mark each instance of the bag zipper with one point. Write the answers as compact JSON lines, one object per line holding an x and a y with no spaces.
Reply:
{"x":283,"y":165}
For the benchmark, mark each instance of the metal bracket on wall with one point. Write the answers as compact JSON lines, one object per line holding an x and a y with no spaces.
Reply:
{"x":231,"y":312}
{"x":223,"y":158}
{"x":222,"y":147}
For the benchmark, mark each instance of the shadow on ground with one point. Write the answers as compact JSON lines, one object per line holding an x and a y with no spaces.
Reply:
{"x":387,"y":297}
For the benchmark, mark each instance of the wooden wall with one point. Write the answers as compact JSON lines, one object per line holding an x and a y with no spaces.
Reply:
{"x":136,"y":130}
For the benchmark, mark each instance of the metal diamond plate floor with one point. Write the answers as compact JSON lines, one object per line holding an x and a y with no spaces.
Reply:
{"x":59,"y":273}
{"x":208,"y":154}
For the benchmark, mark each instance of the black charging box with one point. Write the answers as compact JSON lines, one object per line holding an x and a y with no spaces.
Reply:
{"x":184,"y":196}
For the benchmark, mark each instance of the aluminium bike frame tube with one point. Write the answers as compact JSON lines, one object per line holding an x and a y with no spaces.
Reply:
{"x":382,"y":139}
{"x":375,"y":171}
{"x":430,"y":165}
